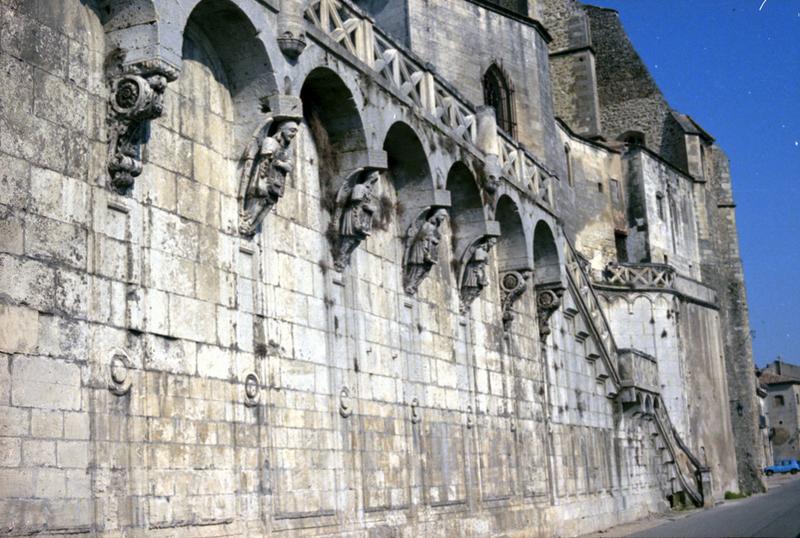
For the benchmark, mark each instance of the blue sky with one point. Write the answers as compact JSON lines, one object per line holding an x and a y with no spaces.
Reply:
{"x":734,"y":66}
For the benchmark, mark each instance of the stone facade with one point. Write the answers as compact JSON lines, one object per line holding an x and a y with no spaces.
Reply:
{"x":266,"y":268}
{"x":781,"y":383}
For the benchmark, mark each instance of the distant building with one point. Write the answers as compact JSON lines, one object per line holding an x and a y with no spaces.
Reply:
{"x":782,"y":383}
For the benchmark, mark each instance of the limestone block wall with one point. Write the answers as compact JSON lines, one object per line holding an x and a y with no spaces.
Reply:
{"x":665,"y":203}
{"x":594,"y":193}
{"x":684,"y":338}
{"x":163,"y":374}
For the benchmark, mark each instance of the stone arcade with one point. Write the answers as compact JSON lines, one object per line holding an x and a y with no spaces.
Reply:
{"x":383,"y":268}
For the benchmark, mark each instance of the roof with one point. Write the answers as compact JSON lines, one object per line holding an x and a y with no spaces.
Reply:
{"x":690,"y":126}
{"x":768,"y":378}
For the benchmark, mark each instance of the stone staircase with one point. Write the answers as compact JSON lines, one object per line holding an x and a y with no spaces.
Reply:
{"x":690,"y":481}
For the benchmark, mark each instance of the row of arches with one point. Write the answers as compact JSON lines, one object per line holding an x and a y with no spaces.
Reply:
{"x":347,"y":131}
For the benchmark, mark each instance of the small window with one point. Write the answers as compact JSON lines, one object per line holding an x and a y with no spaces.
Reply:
{"x":621,"y":242}
{"x":568,"y":155}
{"x":778,"y":400}
{"x":599,"y":186}
{"x":632,"y":138}
{"x":660,"y":205}
{"x":616,"y":193}
{"x":797,"y":397}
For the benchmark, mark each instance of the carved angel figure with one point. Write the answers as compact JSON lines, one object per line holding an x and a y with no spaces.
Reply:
{"x":474,"y":278}
{"x":422,"y":250}
{"x":267,"y":164}
{"x":356,"y":206}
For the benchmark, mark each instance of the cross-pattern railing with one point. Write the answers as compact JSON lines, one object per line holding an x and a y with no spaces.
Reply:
{"x":640,"y":275}
{"x":579,"y":279}
{"x":347,"y":26}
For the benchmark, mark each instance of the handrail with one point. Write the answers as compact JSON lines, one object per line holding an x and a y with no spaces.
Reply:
{"x":414,"y":80}
{"x":585,"y":293}
{"x":668,"y":432}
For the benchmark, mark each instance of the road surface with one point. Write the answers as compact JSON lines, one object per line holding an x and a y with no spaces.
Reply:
{"x":775,"y":514}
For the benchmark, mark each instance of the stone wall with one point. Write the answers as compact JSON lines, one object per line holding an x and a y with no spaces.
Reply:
{"x":175,"y":363}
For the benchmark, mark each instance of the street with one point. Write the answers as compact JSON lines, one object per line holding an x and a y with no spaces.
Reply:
{"x":774,"y":514}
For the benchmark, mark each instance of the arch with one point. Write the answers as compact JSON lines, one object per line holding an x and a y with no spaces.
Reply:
{"x":150,"y":32}
{"x":409,"y":172}
{"x":546,"y":261}
{"x":512,"y":252}
{"x":498,"y":93}
{"x":467,"y":217}
{"x":243,"y":66}
{"x":330,"y":112}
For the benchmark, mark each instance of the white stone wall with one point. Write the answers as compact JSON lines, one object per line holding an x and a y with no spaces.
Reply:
{"x":162,"y":375}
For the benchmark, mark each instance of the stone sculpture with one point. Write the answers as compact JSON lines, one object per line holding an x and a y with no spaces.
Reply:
{"x":267,"y":165}
{"x":547,"y":302}
{"x":473,"y":277}
{"x":422,"y":248}
{"x":512,"y":285}
{"x":355,"y":208}
{"x":136,"y":98}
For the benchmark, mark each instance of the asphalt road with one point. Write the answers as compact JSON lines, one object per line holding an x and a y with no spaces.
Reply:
{"x":775,"y":514}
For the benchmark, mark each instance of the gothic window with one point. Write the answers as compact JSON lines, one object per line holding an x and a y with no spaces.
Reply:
{"x":498,"y":94}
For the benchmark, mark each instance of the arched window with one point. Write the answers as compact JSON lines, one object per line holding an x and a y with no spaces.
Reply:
{"x":497,"y":93}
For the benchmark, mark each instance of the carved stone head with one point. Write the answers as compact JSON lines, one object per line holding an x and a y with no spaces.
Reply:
{"x":438,"y":217}
{"x":287,"y":131}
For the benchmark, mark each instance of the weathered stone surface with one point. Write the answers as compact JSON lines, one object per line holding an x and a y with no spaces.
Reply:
{"x":162,"y":373}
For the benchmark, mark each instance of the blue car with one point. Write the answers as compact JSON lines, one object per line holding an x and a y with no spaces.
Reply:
{"x":783,"y":466}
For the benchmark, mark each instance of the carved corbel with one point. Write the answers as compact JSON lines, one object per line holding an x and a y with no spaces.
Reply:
{"x":268,"y":161}
{"x":473,"y":276}
{"x":137,"y":93}
{"x":422,"y":247}
{"x":292,"y":38}
{"x":512,"y":285}
{"x":548,"y":300}
{"x":356,"y":205}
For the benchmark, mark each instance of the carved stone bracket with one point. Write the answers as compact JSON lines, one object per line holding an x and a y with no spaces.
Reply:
{"x":119,"y":373}
{"x":470,"y":418}
{"x":356,"y":205}
{"x":268,"y":161}
{"x":137,"y":93}
{"x":512,"y":285}
{"x":473,"y":276}
{"x":422,"y":247}
{"x":548,"y":300}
